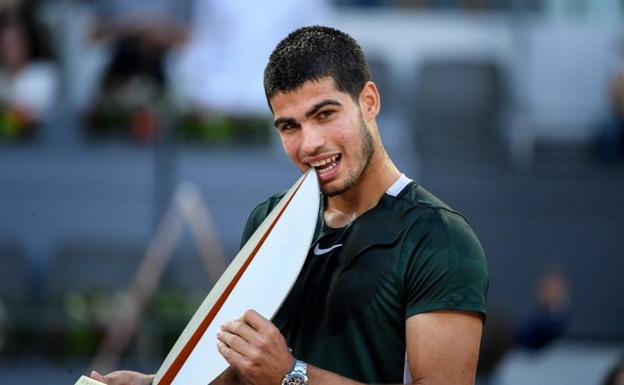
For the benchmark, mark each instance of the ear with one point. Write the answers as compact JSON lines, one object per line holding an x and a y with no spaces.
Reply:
{"x":370,"y":101}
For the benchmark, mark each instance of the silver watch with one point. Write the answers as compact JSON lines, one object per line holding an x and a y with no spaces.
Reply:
{"x":298,"y":375}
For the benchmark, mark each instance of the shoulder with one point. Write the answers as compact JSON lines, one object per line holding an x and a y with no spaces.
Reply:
{"x":258,"y":214}
{"x":421,"y":211}
{"x":415,"y":195}
{"x":442,"y":264}
{"x":434,"y":226}
{"x":410,"y":216}
{"x":264,"y":208}
{"x":446,"y":237}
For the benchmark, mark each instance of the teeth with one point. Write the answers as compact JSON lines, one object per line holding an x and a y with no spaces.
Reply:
{"x":325,"y":165}
{"x":325,"y":161}
{"x":326,"y":169}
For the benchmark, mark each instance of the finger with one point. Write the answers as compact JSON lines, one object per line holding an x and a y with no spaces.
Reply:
{"x":266,"y":330}
{"x":241,"y":329}
{"x":97,"y":376}
{"x":231,"y":356}
{"x":256,"y":321}
{"x":236,"y":343}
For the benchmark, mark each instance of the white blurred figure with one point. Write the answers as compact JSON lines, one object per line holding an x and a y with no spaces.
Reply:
{"x":28,"y":85}
{"x":221,"y":69}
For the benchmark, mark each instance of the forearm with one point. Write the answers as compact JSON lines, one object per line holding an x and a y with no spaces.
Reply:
{"x":318,"y":376}
{"x":256,"y":349}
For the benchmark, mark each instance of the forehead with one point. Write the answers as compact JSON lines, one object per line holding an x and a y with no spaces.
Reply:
{"x":307,"y":95}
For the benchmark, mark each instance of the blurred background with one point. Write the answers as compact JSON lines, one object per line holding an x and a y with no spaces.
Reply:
{"x":135,"y":139}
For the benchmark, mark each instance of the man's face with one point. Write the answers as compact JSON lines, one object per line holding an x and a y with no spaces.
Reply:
{"x":323,"y":128}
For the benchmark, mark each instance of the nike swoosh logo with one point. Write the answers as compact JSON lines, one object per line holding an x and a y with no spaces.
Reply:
{"x":319,"y":251}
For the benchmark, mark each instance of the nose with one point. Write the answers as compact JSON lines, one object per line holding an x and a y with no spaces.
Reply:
{"x":312,"y":139}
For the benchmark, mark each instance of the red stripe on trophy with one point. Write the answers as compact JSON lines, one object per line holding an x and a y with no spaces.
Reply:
{"x":179,"y":361}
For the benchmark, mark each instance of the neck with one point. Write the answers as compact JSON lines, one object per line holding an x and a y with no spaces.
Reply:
{"x":380,"y":174}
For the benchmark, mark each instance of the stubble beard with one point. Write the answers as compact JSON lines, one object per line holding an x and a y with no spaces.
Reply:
{"x":367,"y":149}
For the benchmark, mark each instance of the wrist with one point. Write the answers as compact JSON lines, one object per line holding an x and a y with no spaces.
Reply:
{"x":297,"y":375}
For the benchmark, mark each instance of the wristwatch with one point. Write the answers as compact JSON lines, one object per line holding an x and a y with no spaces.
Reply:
{"x":298,"y":375}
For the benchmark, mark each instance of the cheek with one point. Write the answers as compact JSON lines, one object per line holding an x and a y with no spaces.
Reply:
{"x":346,"y":139}
{"x":341,"y":136}
{"x":338,"y":133}
{"x":288,"y":148}
{"x":291,"y":147}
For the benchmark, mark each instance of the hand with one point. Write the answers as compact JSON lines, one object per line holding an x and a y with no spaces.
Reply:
{"x":255,"y":348}
{"x":123,"y":377}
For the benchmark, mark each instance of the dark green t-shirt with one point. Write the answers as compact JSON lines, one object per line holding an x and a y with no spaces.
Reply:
{"x":409,"y":254}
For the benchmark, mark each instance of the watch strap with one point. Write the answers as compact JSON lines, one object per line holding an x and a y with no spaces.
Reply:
{"x":298,"y":374}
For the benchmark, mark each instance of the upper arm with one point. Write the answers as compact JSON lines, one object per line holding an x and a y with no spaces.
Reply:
{"x":446,"y":284}
{"x":443,"y":347}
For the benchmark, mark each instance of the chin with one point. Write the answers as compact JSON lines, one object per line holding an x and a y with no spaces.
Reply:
{"x":332,"y":189}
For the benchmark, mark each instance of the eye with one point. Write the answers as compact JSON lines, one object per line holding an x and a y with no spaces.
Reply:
{"x":287,"y":127}
{"x":326,"y":114}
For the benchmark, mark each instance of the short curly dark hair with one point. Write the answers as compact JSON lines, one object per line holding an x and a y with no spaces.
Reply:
{"x":312,"y":53}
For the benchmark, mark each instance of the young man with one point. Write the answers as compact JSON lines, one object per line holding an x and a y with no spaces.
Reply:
{"x":394,"y":286}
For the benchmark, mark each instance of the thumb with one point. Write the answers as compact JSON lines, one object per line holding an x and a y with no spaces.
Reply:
{"x":97,"y":376}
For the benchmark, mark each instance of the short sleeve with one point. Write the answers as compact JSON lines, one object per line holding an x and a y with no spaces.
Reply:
{"x":257,"y":216}
{"x":254,"y":220}
{"x":446,"y":268}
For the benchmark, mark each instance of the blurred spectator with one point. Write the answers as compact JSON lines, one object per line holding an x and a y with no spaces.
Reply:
{"x":610,"y":143}
{"x":142,"y":34}
{"x":615,"y":375}
{"x":222,"y":67}
{"x":545,"y":325}
{"x":551,"y":315}
{"x":218,"y":82}
{"x":28,"y":81}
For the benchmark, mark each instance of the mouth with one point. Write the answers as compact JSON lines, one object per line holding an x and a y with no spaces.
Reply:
{"x":323,"y":166}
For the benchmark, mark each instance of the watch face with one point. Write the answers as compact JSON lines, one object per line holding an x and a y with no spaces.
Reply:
{"x":295,"y":379}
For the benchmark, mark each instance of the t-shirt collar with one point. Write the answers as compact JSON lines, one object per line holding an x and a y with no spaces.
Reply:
{"x":398,"y":186}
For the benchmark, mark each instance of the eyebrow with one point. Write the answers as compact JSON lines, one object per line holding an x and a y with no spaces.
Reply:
{"x":280,"y":121}
{"x":321,"y":104}
{"x":313,"y":110}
